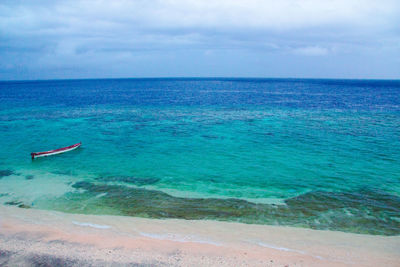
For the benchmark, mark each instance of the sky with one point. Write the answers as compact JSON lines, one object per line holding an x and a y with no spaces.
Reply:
{"x":52,"y":39}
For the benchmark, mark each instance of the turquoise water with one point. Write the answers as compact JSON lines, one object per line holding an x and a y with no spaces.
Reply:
{"x":312,"y":153}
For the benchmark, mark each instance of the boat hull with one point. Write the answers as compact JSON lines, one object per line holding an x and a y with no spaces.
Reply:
{"x":55,"y":151}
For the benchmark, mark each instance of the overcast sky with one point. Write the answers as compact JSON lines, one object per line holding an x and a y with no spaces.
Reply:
{"x":199,"y":38}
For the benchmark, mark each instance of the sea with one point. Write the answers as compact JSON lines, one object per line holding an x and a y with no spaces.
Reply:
{"x":314,"y":153}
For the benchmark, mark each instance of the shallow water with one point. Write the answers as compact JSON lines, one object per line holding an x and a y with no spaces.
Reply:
{"x":312,"y":153}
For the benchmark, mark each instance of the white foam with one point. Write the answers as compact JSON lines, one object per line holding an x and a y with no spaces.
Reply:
{"x":101,"y":195}
{"x":288,"y":250}
{"x":192,"y":194}
{"x":179,"y":238}
{"x":98,"y":226}
{"x":280,"y":248}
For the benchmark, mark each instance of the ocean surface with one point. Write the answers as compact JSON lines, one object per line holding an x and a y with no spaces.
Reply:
{"x":322,"y":154}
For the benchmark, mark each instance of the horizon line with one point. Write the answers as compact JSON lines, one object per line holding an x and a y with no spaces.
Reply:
{"x":200,"y":78}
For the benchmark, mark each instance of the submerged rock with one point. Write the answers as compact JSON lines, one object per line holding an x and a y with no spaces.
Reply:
{"x":29,"y":177}
{"x":321,"y":201}
{"x":82,"y":185}
{"x":359,"y":212}
{"x":19,"y":204}
{"x":130,"y":179}
{"x":4,"y":173}
{"x":13,"y":203}
{"x":61,"y":172}
{"x":23,"y":206}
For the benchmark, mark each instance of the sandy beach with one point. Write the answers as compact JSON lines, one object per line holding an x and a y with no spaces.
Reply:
{"x":36,"y":237}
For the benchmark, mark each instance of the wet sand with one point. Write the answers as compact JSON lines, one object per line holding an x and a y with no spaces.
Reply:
{"x":46,"y":238}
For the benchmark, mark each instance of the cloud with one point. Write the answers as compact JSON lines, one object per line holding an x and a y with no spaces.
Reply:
{"x":311,"y":51}
{"x":266,"y":14}
{"x":41,"y":34}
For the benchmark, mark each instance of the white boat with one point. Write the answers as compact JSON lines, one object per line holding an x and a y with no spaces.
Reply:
{"x":55,"y":151}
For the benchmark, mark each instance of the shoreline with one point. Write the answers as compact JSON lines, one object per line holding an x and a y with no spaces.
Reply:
{"x":30,"y":236}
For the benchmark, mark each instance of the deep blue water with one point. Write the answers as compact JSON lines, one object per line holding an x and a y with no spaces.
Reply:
{"x":290,"y":93}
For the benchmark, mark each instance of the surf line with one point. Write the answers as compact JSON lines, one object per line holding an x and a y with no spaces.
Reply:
{"x":93,"y":225}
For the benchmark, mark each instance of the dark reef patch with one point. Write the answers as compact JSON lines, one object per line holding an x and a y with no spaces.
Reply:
{"x":4,"y":173}
{"x":209,"y":136}
{"x":366,"y":211}
{"x":129,"y":179}
{"x":68,"y":172}
{"x":19,"y":204}
{"x":29,"y":177}
{"x":321,"y":201}
{"x":13,"y":203}
{"x":23,"y":206}
{"x":151,"y":203}
{"x":369,"y":212}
